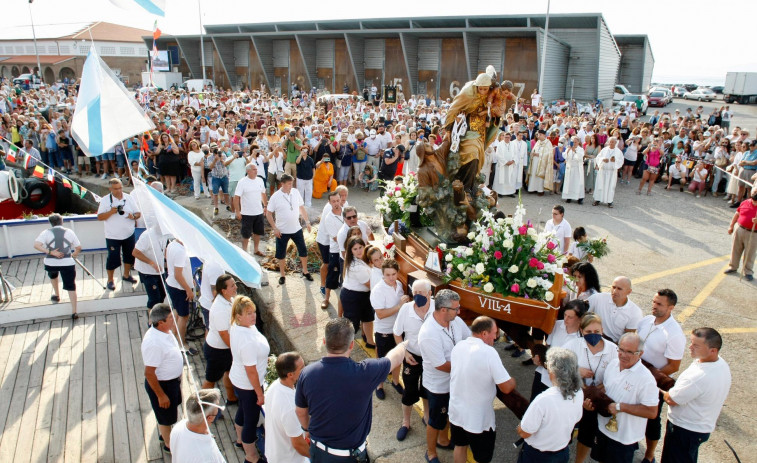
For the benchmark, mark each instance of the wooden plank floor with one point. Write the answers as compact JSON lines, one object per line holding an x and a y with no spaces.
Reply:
{"x":33,"y":286}
{"x":73,"y":391}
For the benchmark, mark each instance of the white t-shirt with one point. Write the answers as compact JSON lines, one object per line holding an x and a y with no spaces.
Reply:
{"x":577,"y":252}
{"x":211,"y":270}
{"x":249,"y":348}
{"x":384,"y":296}
{"x":595,"y":362}
{"x":356,"y":276}
{"x":561,"y":231}
{"x":700,"y":393}
{"x":71,"y":242}
{"x":219,"y":320}
{"x":476,"y":371}
{"x":281,"y":424}
{"x":190,"y":447}
{"x":286,"y":206}
{"x":161,"y":350}
{"x":341,"y":237}
{"x":676,"y":172}
{"x":377,"y":274}
{"x":661,"y":342}
{"x":409,"y":323}
{"x":322,"y":237}
{"x":195,"y":157}
{"x":615,"y":320}
{"x":330,"y":226}
{"x":550,"y":419}
{"x":118,"y":227}
{"x":153,"y":246}
{"x":250,"y":192}
{"x":177,"y":257}
{"x":634,"y":386}
{"x":557,"y":338}
{"x":436,"y":343}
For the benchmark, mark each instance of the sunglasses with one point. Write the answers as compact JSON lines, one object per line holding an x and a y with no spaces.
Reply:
{"x":349,"y":217}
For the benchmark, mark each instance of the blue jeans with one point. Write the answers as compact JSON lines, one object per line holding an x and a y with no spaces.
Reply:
{"x":529,"y":454}
{"x":220,"y":183}
{"x":154,"y":289}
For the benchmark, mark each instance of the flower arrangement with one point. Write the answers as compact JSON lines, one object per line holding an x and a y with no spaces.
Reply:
{"x":597,"y":247}
{"x":399,"y":201}
{"x":506,"y":256}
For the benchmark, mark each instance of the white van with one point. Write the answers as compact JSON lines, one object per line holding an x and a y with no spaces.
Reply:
{"x":196,"y":85}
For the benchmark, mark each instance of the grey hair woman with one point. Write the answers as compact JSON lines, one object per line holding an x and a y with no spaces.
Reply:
{"x":562,"y":366}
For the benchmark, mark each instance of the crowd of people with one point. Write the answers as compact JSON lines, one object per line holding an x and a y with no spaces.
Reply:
{"x":265,"y":157}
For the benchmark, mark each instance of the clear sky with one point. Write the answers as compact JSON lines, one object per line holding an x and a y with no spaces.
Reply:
{"x":692,"y":41}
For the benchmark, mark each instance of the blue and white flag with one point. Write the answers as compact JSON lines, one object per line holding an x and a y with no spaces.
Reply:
{"x":156,"y":7}
{"x":199,"y":238}
{"x":106,"y":113}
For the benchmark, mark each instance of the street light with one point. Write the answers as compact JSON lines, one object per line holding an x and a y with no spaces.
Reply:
{"x":36,"y":52}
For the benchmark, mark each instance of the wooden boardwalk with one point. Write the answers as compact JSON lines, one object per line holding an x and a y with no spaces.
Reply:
{"x":74,"y":391}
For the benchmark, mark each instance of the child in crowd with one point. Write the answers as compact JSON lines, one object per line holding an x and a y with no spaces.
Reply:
{"x":579,"y":236}
{"x":368,"y":179}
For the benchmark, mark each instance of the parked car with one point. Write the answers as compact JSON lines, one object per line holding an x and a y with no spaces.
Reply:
{"x":620,"y":92}
{"x":679,"y":91}
{"x":27,"y":81}
{"x":718,"y":89}
{"x":658,"y":98}
{"x":700,"y":94}
{"x":666,"y":91}
{"x":632,"y":98}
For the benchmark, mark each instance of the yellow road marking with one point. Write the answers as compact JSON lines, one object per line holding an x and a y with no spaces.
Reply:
{"x":737,"y":330}
{"x":702,"y":296}
{"x":684,"y":268}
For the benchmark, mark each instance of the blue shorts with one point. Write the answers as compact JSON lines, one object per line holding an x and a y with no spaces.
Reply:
{"x":299,"y":240}
{"x":179,"y":300}
{"x":344,"y":172}
{"x":120,"y":161}
{"x":438,"y":404}
{"x":220,"y":183}
{"x":109,"y":156}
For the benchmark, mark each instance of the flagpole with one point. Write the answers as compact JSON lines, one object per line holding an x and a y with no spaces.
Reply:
{"x":34,"y":34}
{"x":202,"y":42}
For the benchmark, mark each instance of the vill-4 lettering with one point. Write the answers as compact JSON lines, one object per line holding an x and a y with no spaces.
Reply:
{"x":493,"y":305}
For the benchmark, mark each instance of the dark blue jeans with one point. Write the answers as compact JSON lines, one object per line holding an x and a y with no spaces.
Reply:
{"x":681,"y":445}
{"x":154,"y":289}
{"x":318,"y":455}
{"x":529,"y":454}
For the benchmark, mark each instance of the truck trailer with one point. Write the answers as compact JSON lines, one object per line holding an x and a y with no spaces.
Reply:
{"x":740,"y":87}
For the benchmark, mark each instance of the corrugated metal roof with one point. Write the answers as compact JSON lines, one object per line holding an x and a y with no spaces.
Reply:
{"x":101,"y":31}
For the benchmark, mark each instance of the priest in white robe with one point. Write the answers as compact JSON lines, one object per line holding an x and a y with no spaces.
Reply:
{"x":521,"y":159}
{"x":608,"y":162}
{"x":541,"y":173}
{"x":573,"y":186}
{"x":504,"y":174}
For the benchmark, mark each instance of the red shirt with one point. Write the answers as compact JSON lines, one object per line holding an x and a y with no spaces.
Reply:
{"x":747,"y":211}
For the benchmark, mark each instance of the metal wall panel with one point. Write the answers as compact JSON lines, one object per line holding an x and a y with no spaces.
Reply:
{"x":410,"y":48}
{"x":306,"y":46}
{"x":242,"y":53}
{"x":646,"y":80}
{"x":208,"y":49}
{"x":264,"y":50}
{"x":225,"y":53}
{"x":281,"y":53}
{"x":471,"y":50}
{"x":491,"y":52}
{"x":631,"y":70}
{"x":356,"y":48}
{"x":609,"y":61}
{"x":374,"y":53}
{"x":582,"y":66}
{"x":553,"y":87}
{"x":324,"y":53}
{"x":190,"y":50}
{"x":429,"y":51}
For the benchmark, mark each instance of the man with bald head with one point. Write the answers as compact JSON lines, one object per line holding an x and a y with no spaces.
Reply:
{"x":618,"y":313}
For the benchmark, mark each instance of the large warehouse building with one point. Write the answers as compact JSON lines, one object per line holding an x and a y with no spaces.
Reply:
{"x":428,"y":56}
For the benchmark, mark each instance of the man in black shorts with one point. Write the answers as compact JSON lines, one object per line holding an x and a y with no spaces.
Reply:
{"x":61,"y":247}
{"x":329,"y":227}
{"x":118,"y":211}
{"x":250,"y":201}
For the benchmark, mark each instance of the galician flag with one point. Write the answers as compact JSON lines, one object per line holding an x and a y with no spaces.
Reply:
{"x":156,"y":7}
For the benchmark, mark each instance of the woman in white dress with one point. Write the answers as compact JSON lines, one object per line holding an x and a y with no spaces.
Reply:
{"x":574,"y":172}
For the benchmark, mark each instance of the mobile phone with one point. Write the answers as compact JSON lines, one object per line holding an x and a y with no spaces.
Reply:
{"x":571,"y":143}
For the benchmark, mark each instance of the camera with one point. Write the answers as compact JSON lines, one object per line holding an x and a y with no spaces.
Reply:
{"x":120,"y":209}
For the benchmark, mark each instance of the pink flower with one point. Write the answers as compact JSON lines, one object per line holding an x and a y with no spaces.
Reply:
{"x":551,"y":245}
{"x":551,"y":258}
{"x":533,"y":262}
{"x":397,"y":188}
{"x":515,"y":288}
{"x":389,"y":193}
{"x":497,"y":254}
{"x":523,"y":230}
{"x":489,"y":231}
{"x":539,"y":265}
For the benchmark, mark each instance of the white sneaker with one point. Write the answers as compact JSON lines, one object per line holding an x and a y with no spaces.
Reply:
{"x":207,"y":194}
{"x":104,"y":176}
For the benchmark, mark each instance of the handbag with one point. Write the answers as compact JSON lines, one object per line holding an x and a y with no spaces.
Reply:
{"x":721,"y":162}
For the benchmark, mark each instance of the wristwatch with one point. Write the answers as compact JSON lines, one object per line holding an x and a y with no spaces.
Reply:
{"x":617,"y":407}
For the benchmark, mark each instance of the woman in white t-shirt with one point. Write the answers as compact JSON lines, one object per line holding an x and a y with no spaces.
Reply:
{"x":196,"y":161}
{"x":250,"y":350}
{"x":355,"y":295}
{"x":375,"y":259}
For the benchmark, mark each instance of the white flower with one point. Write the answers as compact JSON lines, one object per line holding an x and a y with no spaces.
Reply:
{"x":469,"y":252}
{"x":442,"y":246}
{"x":532,"y":232}
{"x":461,"y":267}
{"x":480,"y":268}
{"x":548,"y":296}
{"x":448,"y":258}
{"x":509,"y":220}
{"x":478,"y":239}
{"x":508,"y":244}
{"x":531,"y":283}
{"x":471,"y":235}
{"x":513,"y":269}
{"x":488,"y":287}
{"x":501,"y":221}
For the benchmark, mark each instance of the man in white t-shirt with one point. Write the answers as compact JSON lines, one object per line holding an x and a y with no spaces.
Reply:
{"x":119,"y":212}
{"x":619,"y":315}
{"x":560,"y":227}
{"x":697,"y":398}
{"x":285,"y":439}
{"x":350,"y":220}
{"x":664,"y":343}
{"x":191,"y":441}
{"x":677,"y":174}
{"x":61,"y":246}
{"x":179,"y":286}
{"x":288,"y":206}
{"x":149,"y":261}
{"x":476,"y":373}
{"x":250,"y":201}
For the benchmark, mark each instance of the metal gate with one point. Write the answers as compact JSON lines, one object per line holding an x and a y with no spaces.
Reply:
{"x":281,"y":53}
{"x":491,"y":51}
{"x":324,"y":54}
{"x":374,"y":53}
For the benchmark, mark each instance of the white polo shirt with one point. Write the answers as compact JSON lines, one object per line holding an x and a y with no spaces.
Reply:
{"x":661,"y":342}
{"x":118,"y":227}
{"x":341,"y":237}
{"x":550,"y":419}
{"x":249,"y":348}
{"x":436,"y":343}
{"x":409,"y":323}
{"x":219,"y":320}
{"x":177,"y":257}
{"x":250,"y":192}
{"x":557,"y":338}
{"x":377,"y":275}
{"x":211,"y":270}
{"x":190,"y":447}
{"x":561,"y":231}
{"x":153,"y":245}
{"x":476,"y":371}
{"x":356,"y":276}
{"x":700,"y":392}
{"x":615,"y":320}
{"x":286,"y":206}
{"x":322,"y":237}
{"x":330,"y":226}
{"x":161,"y":350}
{"x":48,"y":240}
{"x":281,"y":424}
{"x":595,"y":362}
{"x":384,"y":296}
{"x":634,"y":386}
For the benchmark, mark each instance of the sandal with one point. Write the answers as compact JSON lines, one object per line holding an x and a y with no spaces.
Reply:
{"x":259,"y":253}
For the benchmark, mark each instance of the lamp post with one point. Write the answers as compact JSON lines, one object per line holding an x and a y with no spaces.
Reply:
{"x":36,"y":52}
{"x":544,"y":52}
